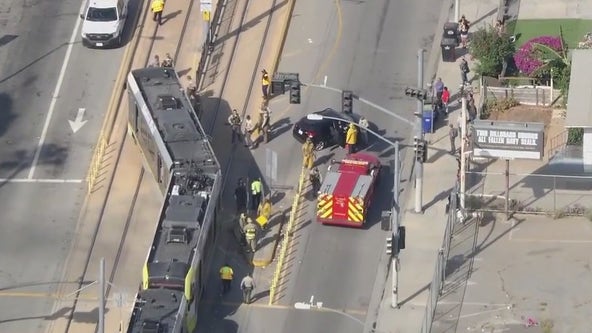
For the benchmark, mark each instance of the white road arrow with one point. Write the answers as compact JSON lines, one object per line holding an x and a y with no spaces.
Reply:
{"x":78,"y":122}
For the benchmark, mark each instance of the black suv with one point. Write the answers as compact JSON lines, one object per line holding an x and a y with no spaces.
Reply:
{"x":323,"y":132}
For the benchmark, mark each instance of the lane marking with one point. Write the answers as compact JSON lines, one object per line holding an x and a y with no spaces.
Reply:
{"x":56,"y":93}
{"x":325,"y":81}
{"x":41,"y":180}
{"x":482,"y":312}
{"x":367,"y":102}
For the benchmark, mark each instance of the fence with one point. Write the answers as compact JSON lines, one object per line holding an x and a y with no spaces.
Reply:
{"x":535,"y":95}
{"x":437,"y":283}
{"x":557,"y":144}
{"x":554,"y":195}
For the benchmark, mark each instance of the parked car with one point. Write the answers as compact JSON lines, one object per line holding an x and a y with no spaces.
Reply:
{"x":323,"y":132}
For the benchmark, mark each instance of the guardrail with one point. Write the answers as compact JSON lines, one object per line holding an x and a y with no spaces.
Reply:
{"x":286,"y":241}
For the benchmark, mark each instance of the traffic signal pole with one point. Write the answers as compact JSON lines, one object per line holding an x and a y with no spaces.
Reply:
{"x":418,"y":164}
{"x":396,"y":222}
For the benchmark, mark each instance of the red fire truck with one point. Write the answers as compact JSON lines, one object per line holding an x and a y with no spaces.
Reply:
{"x":346,"y":193}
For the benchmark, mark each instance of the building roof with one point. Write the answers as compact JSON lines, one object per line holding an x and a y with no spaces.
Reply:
{"x":579,"y":101}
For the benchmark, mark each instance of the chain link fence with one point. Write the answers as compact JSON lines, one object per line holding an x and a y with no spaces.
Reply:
{"x":553,"y":195}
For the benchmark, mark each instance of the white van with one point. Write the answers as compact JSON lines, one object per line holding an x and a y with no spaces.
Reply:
{"x":103,"y":22}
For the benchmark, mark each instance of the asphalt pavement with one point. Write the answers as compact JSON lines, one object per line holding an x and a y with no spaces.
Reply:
{"x":44,"y":81}
{"x":375,"y":59}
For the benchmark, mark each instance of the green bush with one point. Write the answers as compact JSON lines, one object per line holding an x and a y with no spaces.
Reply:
{"x":491,"y":50}
{"x":575,"y":136}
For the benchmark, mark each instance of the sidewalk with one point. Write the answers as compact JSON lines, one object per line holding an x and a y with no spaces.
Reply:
{"x":123,"y":246}
{"x":425,"y":232}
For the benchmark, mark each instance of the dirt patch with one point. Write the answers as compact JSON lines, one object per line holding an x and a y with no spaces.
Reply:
{"x":524,"y":113}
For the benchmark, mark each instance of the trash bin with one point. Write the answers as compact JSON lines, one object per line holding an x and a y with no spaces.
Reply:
{"x":451,"y":31}
{"x":427,"y":121}
{"x":448,"y":49}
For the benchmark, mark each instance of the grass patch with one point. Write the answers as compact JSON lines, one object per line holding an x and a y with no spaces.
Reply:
{"x":573,"y":30}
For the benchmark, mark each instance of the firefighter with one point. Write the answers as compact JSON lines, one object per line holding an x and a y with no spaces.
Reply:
{"x":247,"y":285}
{"x":256,"y":189}
{"x":308,"y":153}
{"x":251,"y":234}
{"x":264,"y":213}
{"x":235,"y":122}
{"x":315,"y":180}
{"x":226,"y":274}
{"x":240,"y":196}
{"x":351,"y":138}
{"x":265,"y":84}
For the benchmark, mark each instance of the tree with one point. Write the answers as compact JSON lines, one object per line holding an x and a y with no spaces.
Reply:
{"x":491,"y":50}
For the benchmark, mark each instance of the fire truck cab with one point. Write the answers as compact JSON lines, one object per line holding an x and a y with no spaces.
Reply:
{"x":345,"y":194}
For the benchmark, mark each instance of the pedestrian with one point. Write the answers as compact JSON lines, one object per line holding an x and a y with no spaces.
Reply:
{"x":265,"y":123}
{"x":452,"y":134}
{"x":315,"y":180}
{"x":351,"y":138}
{"x":264,"y":214}
{"x":247,"y":285}
{"x":168,"y":61}
{"x":240,"y":196}
{"x":471,"y":108}
{"x":155,"y":61}
{"x":256,"y":190}
{"x":242,"y":220}
{"x":265,"y":83}
{"x":248,"y":131}
{"x":363,"y":124}
{"x":157,"y":7}
{"x":250,"y":231}
{"x":464,"y":71}
{"x":445,"y":99}
{"x":463,"y":27}
{"x":438,"y":87}
{"x":226,"y":274}
{"x":308,"y":154}
{"x":235,"y":122}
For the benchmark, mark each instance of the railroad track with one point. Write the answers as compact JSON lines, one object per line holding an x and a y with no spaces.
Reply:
{"x":99,"y":233}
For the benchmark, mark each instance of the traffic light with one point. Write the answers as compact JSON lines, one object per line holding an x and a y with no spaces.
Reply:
{"x":347,"y":101}
{"x":278,"y":87}
{"x":401,"y":240}
{"x":389,"y":245}
{"x":295,"y":92}
{"x":421,"y":149}
{"x":416,"y":93}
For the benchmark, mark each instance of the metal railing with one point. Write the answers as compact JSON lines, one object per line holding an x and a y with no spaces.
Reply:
{"x":437,"y":283}
{"x":557,"y":143}
{"x":275,"y":282}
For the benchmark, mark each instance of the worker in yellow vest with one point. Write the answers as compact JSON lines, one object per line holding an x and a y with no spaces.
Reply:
{"x":251,"y":234}
{"x":265,"y":84}
{"x":256,"y":190}
{"x":264,"y":214}
{"x":351,"y":138}
{"x":308,"y":154}
{"x":157,"y":7}
{"x":226,"y":274}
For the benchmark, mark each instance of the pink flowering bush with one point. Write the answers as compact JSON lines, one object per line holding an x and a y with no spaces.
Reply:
{"x":529,"y":59}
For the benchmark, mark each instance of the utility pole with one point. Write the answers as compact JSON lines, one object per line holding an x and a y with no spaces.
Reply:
{"x":419,"y":165}
{"x":396,"y":222}
{"x":101,"y":328}
{"x":463,"y":138}
{"x":456,"y":10}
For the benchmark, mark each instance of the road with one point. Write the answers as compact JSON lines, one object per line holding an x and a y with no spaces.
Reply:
{"x":368,"y":47}
{"x":46,"y":76}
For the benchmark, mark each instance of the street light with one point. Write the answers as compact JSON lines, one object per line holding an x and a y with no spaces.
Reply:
{"x":318,"y":307}
{"x":398,"y":232}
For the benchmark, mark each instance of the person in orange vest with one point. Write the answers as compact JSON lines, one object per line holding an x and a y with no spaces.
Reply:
{"x":351,"y":138}
{"x":226,"y":274}
{"x":157,"y":7}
